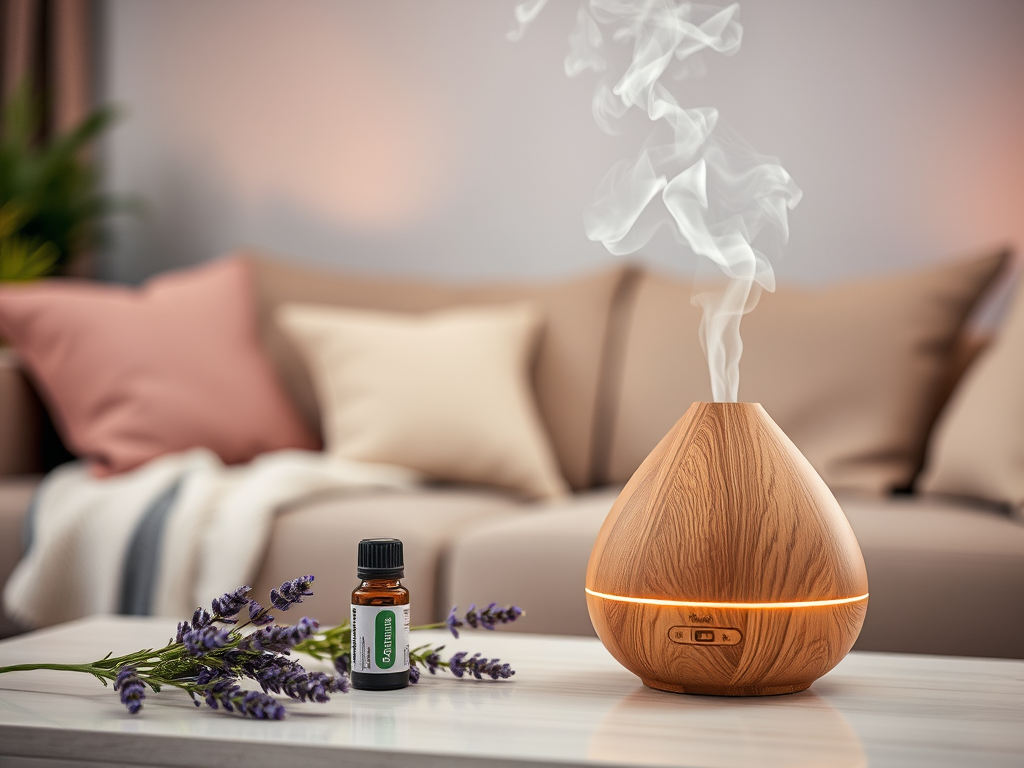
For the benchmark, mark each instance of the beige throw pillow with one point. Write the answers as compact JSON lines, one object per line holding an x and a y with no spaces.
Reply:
{"x":978,"y":448}
{"x":446,"y":393}
{"x":852,"y":373}
{"x":569,"y":369}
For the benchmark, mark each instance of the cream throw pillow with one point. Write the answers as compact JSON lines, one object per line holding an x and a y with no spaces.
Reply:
{"x":446,"y":393}
{"x":978,"y":448}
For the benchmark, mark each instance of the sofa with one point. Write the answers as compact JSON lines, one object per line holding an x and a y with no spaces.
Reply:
{"x":871,"y":379}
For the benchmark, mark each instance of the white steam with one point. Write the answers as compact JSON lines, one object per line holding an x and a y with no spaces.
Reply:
{"x":525,"y":14}
{"x":716,"y":194}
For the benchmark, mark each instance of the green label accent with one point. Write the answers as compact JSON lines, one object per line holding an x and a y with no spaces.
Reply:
{"x":385,"y":644}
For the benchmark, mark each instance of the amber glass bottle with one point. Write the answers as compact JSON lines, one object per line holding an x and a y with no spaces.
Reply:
{"x":380,"y":618}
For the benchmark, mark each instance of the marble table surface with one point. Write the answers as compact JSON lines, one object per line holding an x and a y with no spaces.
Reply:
{"x":569,"y":704}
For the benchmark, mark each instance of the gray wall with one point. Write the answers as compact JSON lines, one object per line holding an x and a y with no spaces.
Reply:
{"x":410,"y":136}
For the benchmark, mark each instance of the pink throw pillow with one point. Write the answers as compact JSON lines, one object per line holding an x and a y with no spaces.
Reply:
{"x":131,"y":374}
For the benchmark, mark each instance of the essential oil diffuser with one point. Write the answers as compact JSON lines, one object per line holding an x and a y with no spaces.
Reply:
{"x":726,"y":565}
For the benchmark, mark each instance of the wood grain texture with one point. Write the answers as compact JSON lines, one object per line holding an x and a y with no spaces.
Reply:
{"x":726,"y":509}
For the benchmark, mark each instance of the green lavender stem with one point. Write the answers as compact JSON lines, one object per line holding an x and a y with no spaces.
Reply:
{"x":168,"y":666}
{"x":330,"y":644}
{"x":337,"y":641}
{"x":419,"y":656}
{"x":60,"y":667}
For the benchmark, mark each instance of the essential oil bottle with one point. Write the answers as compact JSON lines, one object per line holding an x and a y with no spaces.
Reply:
{"x":380,"y":618}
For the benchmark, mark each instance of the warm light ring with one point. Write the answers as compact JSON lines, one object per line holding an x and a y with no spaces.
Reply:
{"x":699,"y":604}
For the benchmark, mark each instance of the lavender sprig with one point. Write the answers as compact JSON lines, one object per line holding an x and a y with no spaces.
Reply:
{"x":258,"y":615}
{"x":488,"y":618}
{"x":474,"y":666}
{"x":219,"y":688}
{"x":289,"y":677}
{"x":478,"y":667}
{"x":204,"y":640}
{"x":334,"y":645}
{"x":131,"y":687}
{"x":279,"y":639}
{"x":209,"y":656}
{"x":231,"y":603}
{"x":291,"y":592}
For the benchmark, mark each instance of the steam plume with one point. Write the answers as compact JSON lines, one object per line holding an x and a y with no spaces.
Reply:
{"x":695,"y":176}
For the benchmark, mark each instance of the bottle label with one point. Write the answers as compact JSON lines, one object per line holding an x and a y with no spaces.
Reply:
{"x":380,"y":638}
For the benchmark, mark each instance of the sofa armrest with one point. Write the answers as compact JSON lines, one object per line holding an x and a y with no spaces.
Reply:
{"x":16,"y":495}
{"x":20,"y":419}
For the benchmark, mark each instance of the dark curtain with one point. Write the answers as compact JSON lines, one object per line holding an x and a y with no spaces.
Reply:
{"x":48,"y":43}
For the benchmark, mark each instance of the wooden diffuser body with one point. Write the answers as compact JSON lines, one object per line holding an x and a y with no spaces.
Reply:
{"x":726,"y":566}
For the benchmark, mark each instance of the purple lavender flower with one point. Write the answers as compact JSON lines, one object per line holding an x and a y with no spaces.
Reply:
{"x":414,"y":674}
{"x":133,"y":692}
{"x":260,"y":706}
{"x":478,"y":666}
{"x":201,"y":618}
{"x":492,"y":615}
{"x":291,"y":592}
{"x":203,"y":681}
{"x":343,"y":664}
{"x":496,"y":670}
{"x":209,"y":675}
{"x":317,"y":686}
{"x":258,"y":614}
{"x":456,"y":664}
{"x":227,"y":605}
{"x":270,"y":671}
{"x":488,"y":618}
{"x":219,"y":689}
{"x":281,"y":675}
{"x":453,"y":622}
{"x":279,"y":639}
{"x":183,"y":627}
{"x":512,"y":613}
{"x":199,"y":642}
{"x":433,"y":660}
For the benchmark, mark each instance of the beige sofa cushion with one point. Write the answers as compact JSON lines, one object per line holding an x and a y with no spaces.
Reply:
{"x":851,"y":373}
{"x":540,"y":566}
{"x":978,"y":447}
{"x":320,"y":535}
{"x":931,"y":562}
{"x":941,"y":576}
{"x":570,"y":354}
{"x":446,"y":393}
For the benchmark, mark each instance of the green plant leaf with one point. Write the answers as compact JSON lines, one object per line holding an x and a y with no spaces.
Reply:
{"x":24,"y":260}
{"x":13,"y":214}
{"x":49,"y":190}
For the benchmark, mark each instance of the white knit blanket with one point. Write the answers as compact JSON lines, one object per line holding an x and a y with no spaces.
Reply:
{"x":167,"y":536}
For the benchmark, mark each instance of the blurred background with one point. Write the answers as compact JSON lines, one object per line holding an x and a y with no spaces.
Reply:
{"x":411,"y":137}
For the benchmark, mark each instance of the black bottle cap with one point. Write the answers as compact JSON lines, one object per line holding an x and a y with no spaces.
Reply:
{"x":380,"y":559}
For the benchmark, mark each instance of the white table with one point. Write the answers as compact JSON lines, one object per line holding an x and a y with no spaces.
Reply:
{"x":569,"y":704}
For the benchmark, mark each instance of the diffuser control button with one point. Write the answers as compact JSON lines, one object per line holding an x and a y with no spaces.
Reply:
{"x":705,"y":635}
